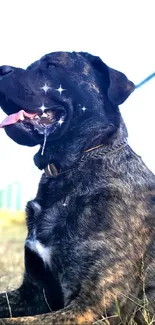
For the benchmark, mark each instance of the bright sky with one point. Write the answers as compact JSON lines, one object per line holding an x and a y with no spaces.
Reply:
{"x":120,"y":32}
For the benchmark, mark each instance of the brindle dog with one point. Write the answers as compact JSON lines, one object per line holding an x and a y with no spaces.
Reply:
{"x":89,"y":251}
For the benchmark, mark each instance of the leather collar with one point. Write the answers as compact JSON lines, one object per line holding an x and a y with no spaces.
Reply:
{"x":52,"y":171}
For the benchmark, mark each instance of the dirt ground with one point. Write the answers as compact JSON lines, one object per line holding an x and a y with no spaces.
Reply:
{"x":11,"y":255}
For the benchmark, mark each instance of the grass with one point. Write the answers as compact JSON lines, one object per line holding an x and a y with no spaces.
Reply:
{"x":12,"y":235}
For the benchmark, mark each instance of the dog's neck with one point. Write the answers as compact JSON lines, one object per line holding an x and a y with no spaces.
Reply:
{"x":97,"y":151}
{"x":53,"y":169}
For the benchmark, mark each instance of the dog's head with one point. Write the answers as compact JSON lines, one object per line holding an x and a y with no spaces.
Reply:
{"x":66,"y":97}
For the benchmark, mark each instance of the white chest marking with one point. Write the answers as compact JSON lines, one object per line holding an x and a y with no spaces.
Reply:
{"x":41,"y":250}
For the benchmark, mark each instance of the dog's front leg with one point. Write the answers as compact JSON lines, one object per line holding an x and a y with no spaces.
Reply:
{"x":27,"y":300}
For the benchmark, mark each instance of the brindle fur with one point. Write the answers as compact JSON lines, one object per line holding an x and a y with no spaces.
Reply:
{"x":98,"y":219}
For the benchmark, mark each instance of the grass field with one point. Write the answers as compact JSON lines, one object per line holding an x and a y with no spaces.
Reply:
{"x":12,"y":235}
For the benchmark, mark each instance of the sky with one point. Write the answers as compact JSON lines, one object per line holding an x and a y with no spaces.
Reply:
{"x":120,"y":32}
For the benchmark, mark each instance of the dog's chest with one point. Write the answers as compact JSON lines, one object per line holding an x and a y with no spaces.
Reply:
{"x":45,"y":253}
{"x":47,"y":230}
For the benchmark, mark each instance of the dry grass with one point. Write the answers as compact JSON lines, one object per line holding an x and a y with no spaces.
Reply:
{"x":12,"y":236}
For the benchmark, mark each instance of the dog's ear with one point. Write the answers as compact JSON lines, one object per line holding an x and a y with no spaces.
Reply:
{"x":120,"y":87}
{"x":116,"y":83}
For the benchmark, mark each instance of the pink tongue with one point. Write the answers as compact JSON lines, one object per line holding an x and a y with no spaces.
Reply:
{"x":13,"y":118}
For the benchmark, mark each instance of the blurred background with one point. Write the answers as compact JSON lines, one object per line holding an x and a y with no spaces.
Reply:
{"x":122,"y":34}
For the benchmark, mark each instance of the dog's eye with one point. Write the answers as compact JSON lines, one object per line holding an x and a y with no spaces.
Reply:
{"x":51,"y":65}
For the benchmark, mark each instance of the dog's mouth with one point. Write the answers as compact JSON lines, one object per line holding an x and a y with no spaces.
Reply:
{"x":48,"y":119}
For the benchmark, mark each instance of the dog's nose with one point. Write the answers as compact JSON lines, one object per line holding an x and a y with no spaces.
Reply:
{"x":5,"y":69}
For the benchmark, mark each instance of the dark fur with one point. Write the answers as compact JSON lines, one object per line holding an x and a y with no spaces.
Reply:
{"x":97,"y":215}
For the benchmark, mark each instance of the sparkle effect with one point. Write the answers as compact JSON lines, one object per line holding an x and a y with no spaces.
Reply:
{"x":45,"y":88}
{"x":43,"y":107}
{"x":83,"y":108}
{"x":60,"y":90}
{"x":60,"y":121}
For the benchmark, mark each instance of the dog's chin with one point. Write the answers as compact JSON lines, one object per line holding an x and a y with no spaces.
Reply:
{"x":48,"y":126}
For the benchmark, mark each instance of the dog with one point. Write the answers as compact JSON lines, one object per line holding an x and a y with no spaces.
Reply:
{"x":89,"y":252}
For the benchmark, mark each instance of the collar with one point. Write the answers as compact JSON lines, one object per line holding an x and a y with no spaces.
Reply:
{"x":52,"y":171}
